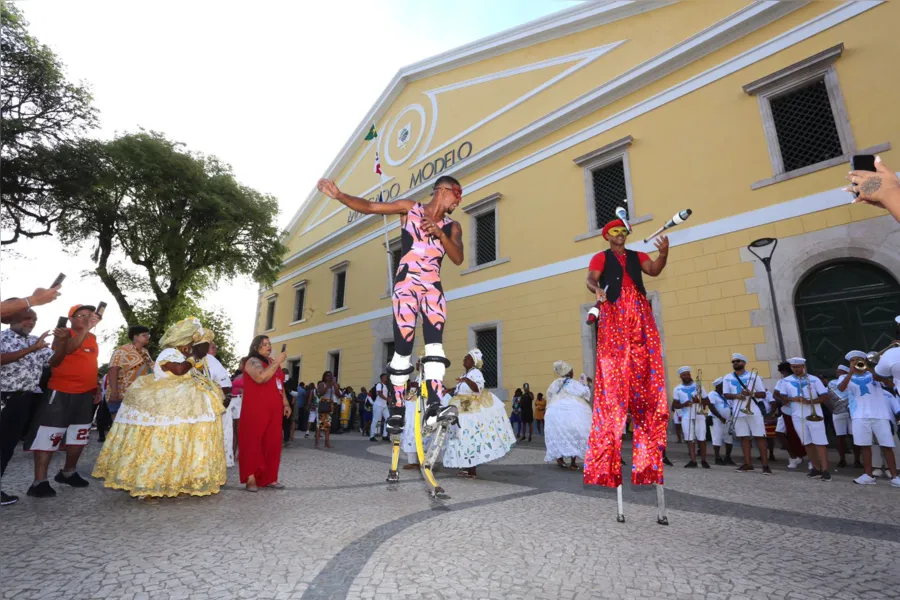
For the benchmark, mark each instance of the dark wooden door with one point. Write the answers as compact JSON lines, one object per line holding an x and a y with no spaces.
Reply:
{"x":845,"y":306}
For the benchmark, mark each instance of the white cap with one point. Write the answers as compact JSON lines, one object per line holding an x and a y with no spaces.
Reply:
{"x":843,"y":368}
{"x":718,"y":381}
{"x":797,"y":360}
{"x":684,"y":370}
{"x":897,"y":319}
{"x":738,"y":356}
{"x":855,"y":354}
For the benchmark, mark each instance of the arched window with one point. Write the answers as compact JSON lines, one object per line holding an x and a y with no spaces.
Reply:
{"x":843,"y":306}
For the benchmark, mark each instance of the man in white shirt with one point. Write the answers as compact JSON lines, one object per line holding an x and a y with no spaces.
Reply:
{"x":219,"y":375}
{"x":721,"y":411}
{"x":689,"y":398}
{"x":871,"y":416}
{"x":806,"y":393}
{"x":887,"y":371}
{"x":840,"y":418}
{"x":748,"y":392}
{"x":380,"y":408}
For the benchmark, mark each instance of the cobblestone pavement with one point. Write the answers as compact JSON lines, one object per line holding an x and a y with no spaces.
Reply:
{"x":524,"y":529}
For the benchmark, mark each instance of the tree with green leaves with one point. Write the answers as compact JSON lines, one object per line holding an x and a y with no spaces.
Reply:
{"x":165,"y":225}
{"x":41,"y":112}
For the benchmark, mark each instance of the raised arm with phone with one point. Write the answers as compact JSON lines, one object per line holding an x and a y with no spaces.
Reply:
{"x":38,"y":297}
{"x":872,"y":183}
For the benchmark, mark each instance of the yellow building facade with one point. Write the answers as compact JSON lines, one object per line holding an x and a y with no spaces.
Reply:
{"x":746,"y":112}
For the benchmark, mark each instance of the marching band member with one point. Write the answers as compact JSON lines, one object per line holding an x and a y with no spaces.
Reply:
{"x":747,"y":390}
{"x":840,"y":417}
{"x":721,"y":410}
{"x":689,"y":398}
{"x":805,"y":392}
{"x":871,"y":418}
{"x":784,"y":428}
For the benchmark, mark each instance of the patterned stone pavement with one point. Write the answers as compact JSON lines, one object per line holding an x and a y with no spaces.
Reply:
{"x":523,"y":530}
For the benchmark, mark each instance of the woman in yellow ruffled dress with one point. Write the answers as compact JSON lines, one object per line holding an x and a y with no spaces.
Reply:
{"x":167,"y":438}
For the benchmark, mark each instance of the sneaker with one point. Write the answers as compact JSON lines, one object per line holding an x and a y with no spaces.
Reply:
{"x":691,"y":464}
{"x":841,"y":463}
{"x":306,"y":436}
{"x":895,"y":482}
{"x":372,"y":439}
{"x":794,"y":463}
{"x":766,"y":470}
{"x":667,"y":462}
{"x":719,"y":461}
{"x":814,"y":474}
{"x":744,"y":468}
{"x":866,"y":480}
{"x":877,"y":473}
{"x":729,"y":462}
{"x":826,"y":476}
{"x":41,"y":490}
{"x":75,"y":480}
{"x":704,"y":464}
{"x":7,"y":499}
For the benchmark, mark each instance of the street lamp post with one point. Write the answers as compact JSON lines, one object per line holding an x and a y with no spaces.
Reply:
{"x":767,"y":263}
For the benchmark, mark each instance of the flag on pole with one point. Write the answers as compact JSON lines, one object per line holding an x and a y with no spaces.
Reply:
{"x":372,"y":134}
{"x":377,"y":164}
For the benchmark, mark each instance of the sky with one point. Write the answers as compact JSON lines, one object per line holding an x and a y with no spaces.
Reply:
{"x":274,"y":88}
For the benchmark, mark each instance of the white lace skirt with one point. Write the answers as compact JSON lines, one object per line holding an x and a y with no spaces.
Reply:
{"x":482,"y":436}
{"x":567,"y":427}
{"x":228,"y":431}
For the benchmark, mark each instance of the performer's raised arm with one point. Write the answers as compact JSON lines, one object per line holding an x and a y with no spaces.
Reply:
{"x":655,"y":267}
{"x":361,"y":205}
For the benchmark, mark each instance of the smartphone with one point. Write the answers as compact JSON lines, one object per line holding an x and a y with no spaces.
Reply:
{"x":62,"y":322}
{"x":862,"y":162}
{"x":101,"y":308}
{"x":284,"y":347}
{"x":58,"y":281}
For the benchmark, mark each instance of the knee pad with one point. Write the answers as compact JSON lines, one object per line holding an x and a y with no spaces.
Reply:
{"x":434,"y":363}
{"x":399,"y":370}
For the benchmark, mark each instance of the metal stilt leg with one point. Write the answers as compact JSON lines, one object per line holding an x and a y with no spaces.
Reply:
{"x":620,"y":513}
{"x":661,"y":517}
{"x":394,"y":474}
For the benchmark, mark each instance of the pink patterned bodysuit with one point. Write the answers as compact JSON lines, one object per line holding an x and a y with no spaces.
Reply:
{"x":417,"y":288}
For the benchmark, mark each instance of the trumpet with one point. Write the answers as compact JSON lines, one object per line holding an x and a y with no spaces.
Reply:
{"x":874,"y":357}
{"x":704,"y":410}
{"x":815,"y":414}
{"x":754,"y":374}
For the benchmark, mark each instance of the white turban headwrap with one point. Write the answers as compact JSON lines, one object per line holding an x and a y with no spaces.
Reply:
{"x":562,"y":368}
{"x":476,"y":355}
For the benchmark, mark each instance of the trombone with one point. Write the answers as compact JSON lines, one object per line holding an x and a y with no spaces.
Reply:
{"x":874,"y":357}
{"x":704,"y":410}
{"x":754,"y":374}
{"x":815,"y":414}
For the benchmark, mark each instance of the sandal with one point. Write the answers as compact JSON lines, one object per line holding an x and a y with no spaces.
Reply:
{"x":463,"y":474}
{"x":574,"y":468}
{"x":251,"y":488}
{"x":277,"y":485}
{"x":561,"y":463}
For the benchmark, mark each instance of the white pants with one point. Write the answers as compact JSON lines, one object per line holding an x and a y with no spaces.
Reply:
{"x":379,"y":410}
{"x":234,"y":407}
{"x":695,"y":433}
{"x":750,"y":426}
{"x":865,"y":429}
{"x":841,"y":423}
{"x":228,"y":429}
{"x":720,"y":432}
{"x":810,"y":432}
{"x":780,"y":427}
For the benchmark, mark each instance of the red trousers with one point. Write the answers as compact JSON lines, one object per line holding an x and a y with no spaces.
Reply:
{"x":630,"y":379}
{"x":259,"y":437}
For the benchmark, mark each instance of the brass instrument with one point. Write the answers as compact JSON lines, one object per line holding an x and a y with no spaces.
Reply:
{"x":704,"y":410}
{"x":754,"y":374}
{"x":873,"y":357}
{"x":815,"y":414}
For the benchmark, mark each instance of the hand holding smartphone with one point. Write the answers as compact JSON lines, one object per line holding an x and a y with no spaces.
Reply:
{"x":862,"y":162}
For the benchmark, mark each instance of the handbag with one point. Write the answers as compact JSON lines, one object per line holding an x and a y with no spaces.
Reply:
{"x":325,"y":406}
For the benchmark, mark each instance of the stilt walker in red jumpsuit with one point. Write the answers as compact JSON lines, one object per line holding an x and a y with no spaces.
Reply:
{"x":630,"y":376}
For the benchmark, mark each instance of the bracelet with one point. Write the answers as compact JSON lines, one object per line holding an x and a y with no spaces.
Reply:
{"x":28,"y":301}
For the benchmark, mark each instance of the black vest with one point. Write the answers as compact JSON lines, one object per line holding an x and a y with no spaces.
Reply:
{"x":612,"y":274}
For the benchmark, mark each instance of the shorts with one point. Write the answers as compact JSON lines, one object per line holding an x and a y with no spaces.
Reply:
{"x":841,"y":423}
{"x":61,"y":415}
{"x":812,"y":432}
{"x":720,"y":433}
{"x":865,"y":429}
{"x":676,"y":417}
{"x":750,"y":426}
{"x":325,"y":421}
{"x":313,"y":416}
{"x":780,"y":426}
{"x":699,"y":429}
{"x":234,"y":407}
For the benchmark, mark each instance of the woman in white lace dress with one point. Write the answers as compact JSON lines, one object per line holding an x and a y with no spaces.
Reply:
{"x":484,"y":433}
{"x":567,"y":424}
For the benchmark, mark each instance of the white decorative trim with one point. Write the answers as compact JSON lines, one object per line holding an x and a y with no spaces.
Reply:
{"x":341,"y":266}
{"x":483,"y":205}
{"x":487,"y":265}
{"x":329,"y":366}
{"x":338,"y":310}
{"x":788,"y":75}
{"x":297,"y":322}
{"x":825,"y":164}
{"x":762,"y":216}
{"x":420,"y":110}
{"x":634,"y":79}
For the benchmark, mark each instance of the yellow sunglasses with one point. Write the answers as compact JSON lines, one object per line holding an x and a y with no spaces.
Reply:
{"x":618,"y":231}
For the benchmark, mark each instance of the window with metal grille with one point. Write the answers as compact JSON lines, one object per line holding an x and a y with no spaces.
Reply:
{"x":299,"y":301}
{"x":340,"y":284}
{"x":610,"y":192}
{"x":388,"y":352}
{"x":270,"y":315}
{"x":805,"y":125}
{"x":486,"y":238}
{"x":395,"y":261}
{"x":334,"y":364}
{"x":486,"y":341}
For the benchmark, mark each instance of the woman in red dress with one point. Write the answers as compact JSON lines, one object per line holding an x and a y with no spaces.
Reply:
{"x":262,"y":407}
{"x":630,"y":377}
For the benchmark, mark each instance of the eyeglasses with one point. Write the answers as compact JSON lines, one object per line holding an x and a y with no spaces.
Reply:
{"x":618,"y":231}
{"x":81,"y":316}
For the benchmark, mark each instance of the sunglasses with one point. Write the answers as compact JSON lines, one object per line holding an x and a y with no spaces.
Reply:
{"x":456,"y":192}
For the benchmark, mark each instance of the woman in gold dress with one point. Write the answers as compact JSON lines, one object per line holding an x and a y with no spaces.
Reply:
{"x":167,"y":438}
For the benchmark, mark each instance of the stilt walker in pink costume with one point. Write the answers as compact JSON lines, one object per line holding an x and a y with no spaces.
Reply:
{"x":630,"y":377}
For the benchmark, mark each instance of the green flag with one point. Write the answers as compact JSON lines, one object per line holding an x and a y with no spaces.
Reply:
{"x":372,"y":134}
